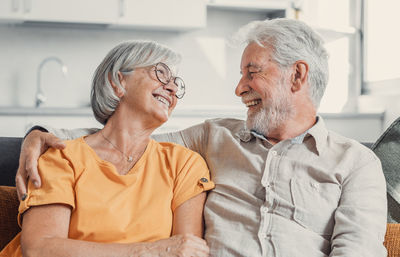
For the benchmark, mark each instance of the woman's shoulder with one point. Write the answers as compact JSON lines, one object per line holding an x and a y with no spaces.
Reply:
{"x":174,"y":150}
{"x":74,"y":144}
{"x":75,"y":149}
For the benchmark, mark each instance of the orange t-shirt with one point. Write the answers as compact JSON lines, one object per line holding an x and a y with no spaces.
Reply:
{"x":109,"y":207}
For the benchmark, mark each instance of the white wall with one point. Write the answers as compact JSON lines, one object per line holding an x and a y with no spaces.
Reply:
{"x":382,"y":73}
{"x":210,"y":68}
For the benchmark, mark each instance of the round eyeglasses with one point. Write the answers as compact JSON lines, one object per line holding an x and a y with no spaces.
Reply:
{"x":164,"y":75}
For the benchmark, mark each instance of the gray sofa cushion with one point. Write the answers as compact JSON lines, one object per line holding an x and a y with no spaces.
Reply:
{"x":387,"y":148}
{"x":9,"y":154}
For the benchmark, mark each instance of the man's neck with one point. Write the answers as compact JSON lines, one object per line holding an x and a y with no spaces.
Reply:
{"x":292,"y":128}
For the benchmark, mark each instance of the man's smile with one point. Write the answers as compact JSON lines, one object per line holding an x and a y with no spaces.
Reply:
{"x":252,"y":103}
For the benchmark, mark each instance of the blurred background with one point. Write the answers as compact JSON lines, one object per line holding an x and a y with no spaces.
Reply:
{"x":49,"y":50}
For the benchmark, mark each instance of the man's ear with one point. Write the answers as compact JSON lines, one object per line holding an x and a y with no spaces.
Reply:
{"x":117,"y":90}
{"x":300,"y":75}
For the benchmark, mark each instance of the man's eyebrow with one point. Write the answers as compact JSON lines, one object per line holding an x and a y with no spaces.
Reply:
{"x":253,"y":65}
{"x":250,"y":65}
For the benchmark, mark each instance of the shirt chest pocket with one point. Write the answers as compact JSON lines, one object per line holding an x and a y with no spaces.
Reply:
{"x":315,"y":204}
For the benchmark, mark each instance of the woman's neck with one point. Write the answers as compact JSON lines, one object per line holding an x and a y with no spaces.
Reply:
{"x":122,"y":141}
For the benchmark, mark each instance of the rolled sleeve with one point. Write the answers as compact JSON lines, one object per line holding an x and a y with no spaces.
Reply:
{"x":193,"y":179}
{"x":57,"y":176}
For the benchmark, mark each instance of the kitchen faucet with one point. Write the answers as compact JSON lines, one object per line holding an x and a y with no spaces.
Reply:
{"x":40,"y":96}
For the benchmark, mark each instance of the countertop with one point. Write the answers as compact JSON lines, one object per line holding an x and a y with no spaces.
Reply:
{"x":181,"y":111}
{"x":46,"y":111}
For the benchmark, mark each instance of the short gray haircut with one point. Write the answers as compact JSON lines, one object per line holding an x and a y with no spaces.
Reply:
{"x":125,"y":57}
{"x":292,"y":40}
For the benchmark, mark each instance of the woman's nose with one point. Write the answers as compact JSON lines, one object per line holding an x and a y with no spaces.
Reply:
{"x":171,"y":87}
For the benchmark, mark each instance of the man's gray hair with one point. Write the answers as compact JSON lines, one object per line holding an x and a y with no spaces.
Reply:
{"x":292,"y":40}
{"x":125,"y":57}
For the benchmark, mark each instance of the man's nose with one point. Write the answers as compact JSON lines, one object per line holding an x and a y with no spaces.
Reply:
{"x":242,"y":87}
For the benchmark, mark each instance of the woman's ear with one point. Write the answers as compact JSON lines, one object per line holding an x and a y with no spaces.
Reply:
{"x":117,"y":90}
{"x":300,"y":75}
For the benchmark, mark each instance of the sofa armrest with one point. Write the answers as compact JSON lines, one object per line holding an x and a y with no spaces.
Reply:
{"x":8,"y":214}
{"x":392,"y":239}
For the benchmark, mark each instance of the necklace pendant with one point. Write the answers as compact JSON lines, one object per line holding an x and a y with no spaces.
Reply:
{"x":130,"y":158}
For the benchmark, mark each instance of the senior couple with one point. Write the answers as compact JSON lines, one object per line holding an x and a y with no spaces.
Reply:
{"x":284,"y":184}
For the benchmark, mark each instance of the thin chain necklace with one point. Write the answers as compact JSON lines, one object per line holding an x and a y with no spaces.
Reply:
{"x":129,"y":158}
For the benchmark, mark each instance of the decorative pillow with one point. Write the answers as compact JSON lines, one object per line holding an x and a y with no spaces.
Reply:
{"x":8,"y":214}
{"x":387,"y":148}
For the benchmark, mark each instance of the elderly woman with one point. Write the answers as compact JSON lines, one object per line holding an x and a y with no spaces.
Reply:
{"x":118,"y":192}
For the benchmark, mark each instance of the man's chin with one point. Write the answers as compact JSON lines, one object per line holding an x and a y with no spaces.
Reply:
{"x":252,"y":124}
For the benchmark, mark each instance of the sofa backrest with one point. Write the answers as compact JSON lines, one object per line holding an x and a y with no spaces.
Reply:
{"x":9,"y":154}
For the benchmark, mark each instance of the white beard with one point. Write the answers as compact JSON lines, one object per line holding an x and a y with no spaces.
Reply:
{"x":273,"y":114}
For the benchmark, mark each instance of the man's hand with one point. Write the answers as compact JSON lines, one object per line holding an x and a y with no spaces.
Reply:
{"x":179,"y":246}
{"x":35,"y":144}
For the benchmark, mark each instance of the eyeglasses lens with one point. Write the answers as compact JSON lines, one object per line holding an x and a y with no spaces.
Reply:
{"x":181,"y":87}
{"x":163,"y":73}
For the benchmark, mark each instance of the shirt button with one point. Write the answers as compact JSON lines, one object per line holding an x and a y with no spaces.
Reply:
{"x":264,"y":209}
{"x":274,"y":153}
{"x":263,"y":235}
{"x":264,"y":181}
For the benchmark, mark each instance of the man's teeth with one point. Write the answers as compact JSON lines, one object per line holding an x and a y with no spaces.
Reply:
{"x":252,"y":103}
{"x":163,"y":100}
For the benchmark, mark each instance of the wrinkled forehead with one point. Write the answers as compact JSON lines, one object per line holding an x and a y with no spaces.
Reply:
{"x":255,"y":55}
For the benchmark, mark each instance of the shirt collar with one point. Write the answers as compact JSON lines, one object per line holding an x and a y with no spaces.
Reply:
{"x":318,"y":132}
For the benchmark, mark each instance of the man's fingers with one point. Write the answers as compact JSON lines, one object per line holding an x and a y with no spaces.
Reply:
{"x":32,"y":171}
{"x":198,"y":244}
{"x":20,"y":183}
{"x":53,"y":141}
{"x":196,"y":239}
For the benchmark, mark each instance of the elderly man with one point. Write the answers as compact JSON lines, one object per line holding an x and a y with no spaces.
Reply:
{"x":285,"y":185}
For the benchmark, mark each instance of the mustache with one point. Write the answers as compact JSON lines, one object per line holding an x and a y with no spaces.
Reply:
{"x":251,"y":95}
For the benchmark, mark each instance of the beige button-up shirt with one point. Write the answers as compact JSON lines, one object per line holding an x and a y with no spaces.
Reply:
{"x":319,"y":194}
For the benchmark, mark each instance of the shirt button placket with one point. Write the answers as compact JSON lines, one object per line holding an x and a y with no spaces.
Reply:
{"x":264,"y":209}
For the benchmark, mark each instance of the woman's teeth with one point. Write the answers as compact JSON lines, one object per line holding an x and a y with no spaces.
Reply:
{"x":163,"y":100}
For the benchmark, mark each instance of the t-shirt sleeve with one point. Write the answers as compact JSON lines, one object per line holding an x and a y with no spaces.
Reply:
{"x":57,"y":177}
{"x":192,"y":179}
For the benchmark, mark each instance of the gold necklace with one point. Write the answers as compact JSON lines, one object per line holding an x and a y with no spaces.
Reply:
{"x":129,"y":158}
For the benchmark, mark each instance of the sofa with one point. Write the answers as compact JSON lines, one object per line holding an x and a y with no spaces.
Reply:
{"x":387,"y":148}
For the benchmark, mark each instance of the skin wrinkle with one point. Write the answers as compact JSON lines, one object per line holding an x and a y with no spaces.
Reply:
{"x":273,"y":113}
{"x":272,"y":86}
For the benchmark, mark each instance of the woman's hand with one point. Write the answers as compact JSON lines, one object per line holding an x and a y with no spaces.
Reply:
{"x":34,"y":145}
{"x":179,"y":246}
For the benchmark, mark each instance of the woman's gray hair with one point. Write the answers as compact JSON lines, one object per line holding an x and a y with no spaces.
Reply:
{"x":292,"y":40}
{"x":125,"y":57}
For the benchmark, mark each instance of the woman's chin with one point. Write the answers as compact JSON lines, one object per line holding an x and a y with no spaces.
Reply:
{"x":162,"y":118}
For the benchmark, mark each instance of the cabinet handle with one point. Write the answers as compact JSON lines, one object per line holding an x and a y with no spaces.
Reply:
{"x":15,"y":5}
{"x":27,"y":6}
{"x":121,"y":8}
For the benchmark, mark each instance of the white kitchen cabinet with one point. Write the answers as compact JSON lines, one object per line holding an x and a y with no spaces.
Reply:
{"x":266,"y":6}
{"x":74,"y":11}
{"x":166,"y":14}
{"x":11,"y":10}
